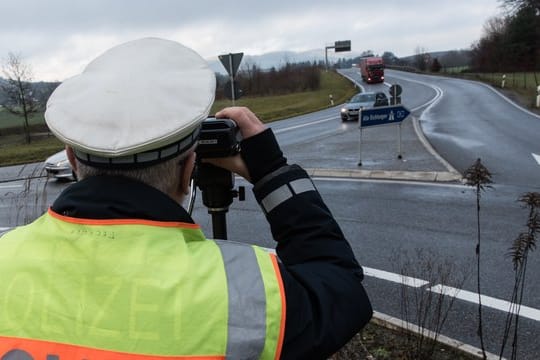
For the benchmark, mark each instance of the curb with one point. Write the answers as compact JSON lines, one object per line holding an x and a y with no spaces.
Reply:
{"x":393,"y":323}
{"x":426,"y":176}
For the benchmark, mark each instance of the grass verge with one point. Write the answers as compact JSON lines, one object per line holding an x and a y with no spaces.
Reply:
{"x":9,"y":120}
{"x":381,"y":343}
{"x":13,"y":149}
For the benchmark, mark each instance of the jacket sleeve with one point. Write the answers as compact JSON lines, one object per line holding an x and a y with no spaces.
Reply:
{"x":326,"y":302}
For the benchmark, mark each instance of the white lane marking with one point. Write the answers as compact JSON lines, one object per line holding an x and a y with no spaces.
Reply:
{"x":277,"y":131}
{"x":438,"y":96}
{"x":4,"y":228}
{"x":393,"y":277}
{"x":487,"y":301}
{"x":536,"y":157}
{"x":469,"y":296}
{"x":10,"y":186}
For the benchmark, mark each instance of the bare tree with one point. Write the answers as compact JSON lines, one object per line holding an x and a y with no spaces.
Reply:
{"x":495,"y":26}
{"x":425,"y":310}
{"x":514,"y":6}
{"x":421,"y":58}
{"x":521,"y":247}
{"x":18,"y":90}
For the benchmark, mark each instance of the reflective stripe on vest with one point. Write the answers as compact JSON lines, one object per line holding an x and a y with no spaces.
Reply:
{"x":86,"y":289}
{"x":248,"y":321}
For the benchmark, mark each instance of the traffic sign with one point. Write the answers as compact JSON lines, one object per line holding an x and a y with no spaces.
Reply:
{"x":231,"y":62}
{"x":383,"y":115}
{"x":395,"y":90}
{"x":344,"y":45}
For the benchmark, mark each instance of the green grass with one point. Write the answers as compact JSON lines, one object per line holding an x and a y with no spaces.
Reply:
{"x":273,"y":108}
{"x":520,"y":80}
{"x":9,"y":120}
{"x":13,"y":149}
{"x":454,"y":70}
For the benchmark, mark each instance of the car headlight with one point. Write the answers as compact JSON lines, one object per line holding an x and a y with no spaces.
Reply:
{"x":63,"y":163}
{"x":343,"y":110}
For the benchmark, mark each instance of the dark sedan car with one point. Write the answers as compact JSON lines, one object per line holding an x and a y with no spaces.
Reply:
{"x":351,"y":109}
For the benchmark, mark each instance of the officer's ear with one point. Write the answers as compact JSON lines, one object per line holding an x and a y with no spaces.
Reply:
{"x":188,"y":164}
{"x":71,"y":157}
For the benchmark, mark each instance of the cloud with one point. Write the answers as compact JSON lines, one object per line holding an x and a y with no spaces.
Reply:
{"x":58,"y":37}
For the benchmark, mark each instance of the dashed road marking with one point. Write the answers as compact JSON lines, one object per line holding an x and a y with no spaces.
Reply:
{"x":469,"y":296}
{"x":393,"y":277}
{"x":487,"y":301}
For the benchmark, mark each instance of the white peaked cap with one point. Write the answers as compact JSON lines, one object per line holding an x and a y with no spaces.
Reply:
{"x":135,"y":98}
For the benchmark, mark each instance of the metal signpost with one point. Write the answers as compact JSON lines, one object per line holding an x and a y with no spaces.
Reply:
{"x":231,"y":62}
{"x":386,"y":115}
{"x":395,"y":94}
{"x":339,"y":46}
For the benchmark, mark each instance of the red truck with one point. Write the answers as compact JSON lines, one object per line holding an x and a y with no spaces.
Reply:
{"x":372,"y":69}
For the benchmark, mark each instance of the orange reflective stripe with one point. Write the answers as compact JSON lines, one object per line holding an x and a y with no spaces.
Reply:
{"x":39,"y":349}
{"x":122,"y":221}
{"x":283,"y":305}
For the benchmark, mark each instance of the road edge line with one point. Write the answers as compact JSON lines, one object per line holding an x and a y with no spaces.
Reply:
{"x":427,"y":145}
{"x":393,"y":323}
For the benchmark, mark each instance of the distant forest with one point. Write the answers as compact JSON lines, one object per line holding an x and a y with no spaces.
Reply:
{"x":289,"y":78}
{"x":422,"y":61}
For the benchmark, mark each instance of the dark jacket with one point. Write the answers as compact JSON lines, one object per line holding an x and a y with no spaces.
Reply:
{"x":326,"y":303}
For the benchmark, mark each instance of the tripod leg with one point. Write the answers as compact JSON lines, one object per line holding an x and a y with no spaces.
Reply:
{"x":219,"y":225}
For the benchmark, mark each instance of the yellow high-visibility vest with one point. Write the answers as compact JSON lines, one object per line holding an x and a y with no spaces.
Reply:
{"x":135,"y":289}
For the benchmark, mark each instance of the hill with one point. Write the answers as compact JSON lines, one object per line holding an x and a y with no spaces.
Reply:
{"x":451,"y":58}
{"x":279,"y":58}
{"x":42,"y":90}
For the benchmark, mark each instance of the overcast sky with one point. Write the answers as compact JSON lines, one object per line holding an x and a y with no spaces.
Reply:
{"x":59,"y":37}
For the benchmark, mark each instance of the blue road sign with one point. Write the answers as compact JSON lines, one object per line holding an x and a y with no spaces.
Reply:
{"x":383,"y":115}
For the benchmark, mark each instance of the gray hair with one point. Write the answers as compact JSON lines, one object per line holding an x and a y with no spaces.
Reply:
{"x":163,"y":176}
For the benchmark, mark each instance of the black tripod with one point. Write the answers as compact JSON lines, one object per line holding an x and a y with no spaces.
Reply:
{"x":217,"y":187}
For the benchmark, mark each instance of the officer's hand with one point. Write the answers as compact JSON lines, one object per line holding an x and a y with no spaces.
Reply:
{"x":248,"y":123}
{"x":249,"y":126}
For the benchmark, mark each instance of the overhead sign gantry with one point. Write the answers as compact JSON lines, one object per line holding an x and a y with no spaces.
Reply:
{"x":339,"y":46}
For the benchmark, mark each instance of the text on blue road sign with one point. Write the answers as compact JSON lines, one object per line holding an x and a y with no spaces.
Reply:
{"x":383,"y":115}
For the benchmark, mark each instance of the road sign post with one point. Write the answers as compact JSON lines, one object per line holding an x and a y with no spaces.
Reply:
{"x":385,"y":115}
{"x":395,"y":94}
{"x":231,"y":63}
{"x":339,"y":46}
{"x":399,"y":142}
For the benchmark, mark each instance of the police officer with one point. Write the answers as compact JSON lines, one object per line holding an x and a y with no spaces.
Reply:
{"x":117,"y":269}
